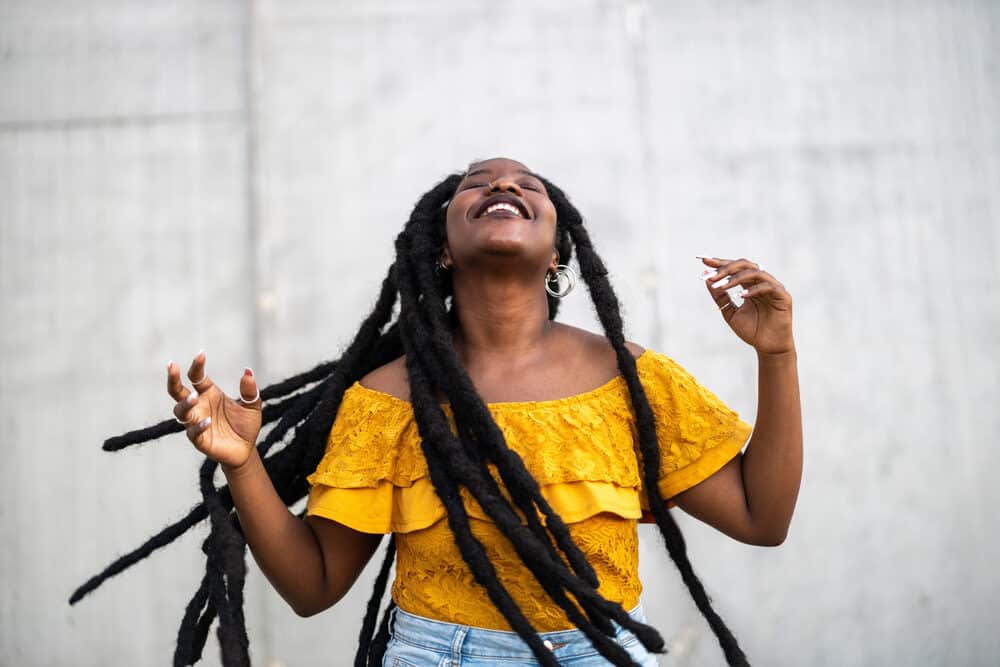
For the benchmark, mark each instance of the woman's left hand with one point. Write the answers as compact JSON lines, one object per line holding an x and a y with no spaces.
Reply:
{"x":764,"y":320}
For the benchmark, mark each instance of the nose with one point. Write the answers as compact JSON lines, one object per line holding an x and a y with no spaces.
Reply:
{"x":504,"y":184}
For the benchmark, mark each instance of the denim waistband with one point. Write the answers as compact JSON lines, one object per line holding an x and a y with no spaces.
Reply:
{"x":467,"y":641}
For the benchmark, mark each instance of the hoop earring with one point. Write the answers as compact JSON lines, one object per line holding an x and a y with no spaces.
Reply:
{"x":560,"y":282}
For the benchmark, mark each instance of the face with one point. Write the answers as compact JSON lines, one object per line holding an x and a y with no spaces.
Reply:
{"x":500,"y":210}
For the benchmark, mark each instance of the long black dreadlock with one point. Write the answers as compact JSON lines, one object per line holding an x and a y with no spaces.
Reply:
{"x":298,"y":414}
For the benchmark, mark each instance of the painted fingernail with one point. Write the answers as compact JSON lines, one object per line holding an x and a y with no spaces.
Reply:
{"x":703,"y":257}
{"x":205,"y":423}
{"x":248,"y":371}
{"x":192,"y":398}
{"x":721,"y":283}
{"x":736,"y":293}
{"x":170,"y":366}
{"x":200,"y":352}
{"x":708,"y":273}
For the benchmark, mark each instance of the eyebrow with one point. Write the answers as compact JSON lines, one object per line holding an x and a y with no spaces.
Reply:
{"x":490,"y":171}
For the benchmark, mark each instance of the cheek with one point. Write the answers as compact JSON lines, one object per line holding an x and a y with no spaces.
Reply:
{"x":547,"y":212}
{"x":452,"y":222}
{"x":453,"y":214}
{"x":458,"y":207}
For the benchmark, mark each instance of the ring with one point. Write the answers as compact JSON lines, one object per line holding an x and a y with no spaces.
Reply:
{"x":187,"y":423}
{"x":725,"y":305}
{"x":251,"y":401}
{"x":197,"y":382}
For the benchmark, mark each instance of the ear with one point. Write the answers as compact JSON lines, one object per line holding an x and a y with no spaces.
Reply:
{"x":555,"y":261}
{"x":445,"y":259}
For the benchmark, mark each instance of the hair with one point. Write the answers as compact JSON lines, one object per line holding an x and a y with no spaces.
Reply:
{"x":298,"y":414}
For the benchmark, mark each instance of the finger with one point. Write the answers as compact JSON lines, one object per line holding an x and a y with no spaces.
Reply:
{"x":196,"y":373}
{"x":708,"y":260}
{"x":777,"y":290}
{"x":720,"y":267}
{"x":710,"y":266}
{"x":175,"y":387}
{"x":726,"y":307}
{"x":184,"y":410}
{"x":730,"y":266}
{"x":249,"y":393}
{"x":200,"y":434}
{"x":743,"y":278}
{"x":723,"y":290}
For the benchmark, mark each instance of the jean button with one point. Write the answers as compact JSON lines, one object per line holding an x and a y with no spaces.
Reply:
{"x":547,"y":644}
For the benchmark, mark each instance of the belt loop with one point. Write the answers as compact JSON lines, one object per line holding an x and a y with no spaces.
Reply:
{"x":456,"y":645}
{"x":392,"y":620}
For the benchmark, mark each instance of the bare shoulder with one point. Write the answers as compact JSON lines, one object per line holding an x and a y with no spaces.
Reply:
{"x":588,"y":345}
{"x":635,"y":348}
{"x":391,"y":378}
{"x":592,"y":343}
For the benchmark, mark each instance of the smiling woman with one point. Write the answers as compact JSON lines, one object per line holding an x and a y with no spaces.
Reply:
{"x":509,"y":456}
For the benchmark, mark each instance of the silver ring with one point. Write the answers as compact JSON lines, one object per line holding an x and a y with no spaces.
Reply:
{"x":251,"y":401}
{"x":726,"y":305}
{"x":197,"y":382}
{"x":187,"y":423}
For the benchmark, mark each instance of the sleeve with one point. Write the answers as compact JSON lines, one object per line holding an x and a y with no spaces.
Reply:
{"x":373,"y":477}
{"x":697,"y":432}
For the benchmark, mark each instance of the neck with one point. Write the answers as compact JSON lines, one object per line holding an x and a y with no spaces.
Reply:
{"x":499,"y":317}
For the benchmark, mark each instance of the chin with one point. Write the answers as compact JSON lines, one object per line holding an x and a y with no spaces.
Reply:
{"x":507,"y":249}
{"x":503,"y":244}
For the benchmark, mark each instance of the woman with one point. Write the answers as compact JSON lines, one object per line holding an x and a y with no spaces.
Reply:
{"x":510,"y":456}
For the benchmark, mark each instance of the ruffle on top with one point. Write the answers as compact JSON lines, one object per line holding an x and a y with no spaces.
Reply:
{"x":581,"y":449}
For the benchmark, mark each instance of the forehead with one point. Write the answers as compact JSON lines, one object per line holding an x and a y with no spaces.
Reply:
{"x":497,"y":167}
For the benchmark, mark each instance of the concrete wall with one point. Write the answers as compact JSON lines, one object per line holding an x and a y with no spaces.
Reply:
{"x":178,"y":175}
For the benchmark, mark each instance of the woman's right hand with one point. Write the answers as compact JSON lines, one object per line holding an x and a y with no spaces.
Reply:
{"x":223,"y":429}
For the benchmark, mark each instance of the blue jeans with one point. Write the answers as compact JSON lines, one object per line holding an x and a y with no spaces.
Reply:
{"x":421,"y":642}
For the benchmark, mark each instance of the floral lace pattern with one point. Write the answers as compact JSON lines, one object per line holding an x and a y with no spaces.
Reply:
{"x":582,"y":450}
{"x":433,"y":581}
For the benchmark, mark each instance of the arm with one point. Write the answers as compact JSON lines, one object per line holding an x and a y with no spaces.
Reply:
{"x":311,"y":563}
{"x":752,"y":497}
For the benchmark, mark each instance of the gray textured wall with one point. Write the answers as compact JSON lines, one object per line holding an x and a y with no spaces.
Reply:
{"x":186,"y":174}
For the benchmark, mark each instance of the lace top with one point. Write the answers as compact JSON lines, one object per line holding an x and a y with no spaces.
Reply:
{"x":582,"y":450}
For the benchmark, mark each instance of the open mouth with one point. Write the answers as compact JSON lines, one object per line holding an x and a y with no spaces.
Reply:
{"x":502,"y":206}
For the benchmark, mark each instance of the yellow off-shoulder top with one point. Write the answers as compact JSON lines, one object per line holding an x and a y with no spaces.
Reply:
{"x":582,"y":449}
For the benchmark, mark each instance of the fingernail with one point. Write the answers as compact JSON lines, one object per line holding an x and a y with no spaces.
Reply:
{"x":170,"y":366}
{"x":721,"y":283}
{"x":708,"y":273}
{"x":703,"y":257}
{"x":737,"y":292}
{"x":192,"y":398}
{"x":200,"y":352}
{"x":205,"y":423}
{"x":248,"y":371}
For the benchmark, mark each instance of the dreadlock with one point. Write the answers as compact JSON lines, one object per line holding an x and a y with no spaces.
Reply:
{"x":298,"y":414}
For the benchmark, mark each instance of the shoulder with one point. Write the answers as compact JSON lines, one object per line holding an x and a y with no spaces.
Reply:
{"x":590,"y":357}
{"x":635,"y":348}
{"x":593,"y":345}
{"x":391,"y":378}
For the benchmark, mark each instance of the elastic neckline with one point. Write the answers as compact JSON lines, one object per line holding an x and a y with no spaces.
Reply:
{"x":612,"y":384}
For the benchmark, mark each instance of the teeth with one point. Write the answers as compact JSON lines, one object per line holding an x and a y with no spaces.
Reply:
{"x":503,"y":206}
